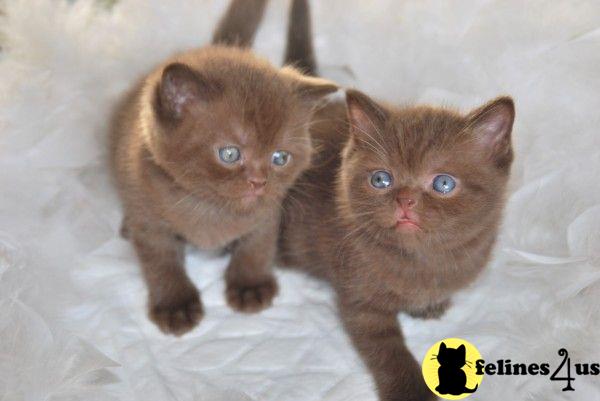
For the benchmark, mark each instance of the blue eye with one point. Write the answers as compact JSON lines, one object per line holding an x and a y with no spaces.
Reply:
{"x":381,"y":179}
{"x":229,"y":154}
{"x":280,"y":158}
{"x":443,"y":183}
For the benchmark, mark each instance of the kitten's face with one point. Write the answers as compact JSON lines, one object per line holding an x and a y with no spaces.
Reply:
{"x":425,"y":176}
{"x":242,"y":147}
{"x":452,"y":357}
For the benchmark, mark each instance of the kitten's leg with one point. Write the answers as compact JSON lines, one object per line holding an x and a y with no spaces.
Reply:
{"x":379,"y":340}
{"x":174,"y":301}
{"x":251,"y":285}
{"x":434,"y":311}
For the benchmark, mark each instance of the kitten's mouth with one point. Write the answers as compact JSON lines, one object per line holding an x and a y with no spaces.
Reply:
{"x":407,"y":220}
{"x":407,"y":225}
{"x":252,"y":196}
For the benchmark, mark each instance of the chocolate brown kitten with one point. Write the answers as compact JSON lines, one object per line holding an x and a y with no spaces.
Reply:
{"x":400,"y":209}
{"x":204,"y":149}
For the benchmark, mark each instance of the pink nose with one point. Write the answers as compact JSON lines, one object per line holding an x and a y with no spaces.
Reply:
{"x":257,"y":183}
{"x":406,"y":203}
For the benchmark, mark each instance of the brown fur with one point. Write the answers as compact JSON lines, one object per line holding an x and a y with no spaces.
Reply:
{"x":337,"y":226}
{"x":299,"y":48}
{"x":240,"y":23}
{"x":174,"y":188}
{"x":341,"y":228}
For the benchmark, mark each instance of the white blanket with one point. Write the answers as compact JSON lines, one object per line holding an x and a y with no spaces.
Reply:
{"x":72,"y":303}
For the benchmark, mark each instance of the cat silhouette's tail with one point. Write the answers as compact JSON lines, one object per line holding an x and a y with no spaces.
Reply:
{"x":469,"y":391}
{"x":299,"y":47}
{"x":240,"y":23}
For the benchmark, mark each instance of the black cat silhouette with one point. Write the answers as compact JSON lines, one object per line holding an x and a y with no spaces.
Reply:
{"x":452,"y":378}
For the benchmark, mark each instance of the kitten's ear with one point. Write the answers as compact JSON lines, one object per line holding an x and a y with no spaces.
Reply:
{"x":314,"y":89}
{"x":309,"y":89}
{"x":462,"y":350}
{"x":364,"y":115}
{"x":492,"y":126}
{"x":180,"y":89}
{"x":442,"y":346}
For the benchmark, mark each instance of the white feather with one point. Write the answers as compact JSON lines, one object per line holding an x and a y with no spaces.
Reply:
{"x":72,"y":303}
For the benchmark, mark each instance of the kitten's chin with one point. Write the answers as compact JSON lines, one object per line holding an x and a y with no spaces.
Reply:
{"x":251,"y":200}
{"x":406,"y":234}
{"x":410,"y":242}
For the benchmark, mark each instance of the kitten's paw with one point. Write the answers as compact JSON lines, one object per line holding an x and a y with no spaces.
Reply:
{"x":435,"y":311}
{"x":251,"y":297}
{"x":178,"y":314}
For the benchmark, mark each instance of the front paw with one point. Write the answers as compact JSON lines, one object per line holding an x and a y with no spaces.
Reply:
{"x":177,"y":314}
{"x":251,"y":297}
{"x":434,"y":311}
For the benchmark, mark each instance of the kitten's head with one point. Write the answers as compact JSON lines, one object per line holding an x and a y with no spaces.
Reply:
{"x":231,"y":128}
{"x":452,"y":357}
{"x":423,"y":176}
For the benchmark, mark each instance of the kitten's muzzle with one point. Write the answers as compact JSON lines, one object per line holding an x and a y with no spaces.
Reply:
{"x":256,"y":188}
{"x":406,"y":203}
{"x":406,"y":218}
{"x":257,"y":185}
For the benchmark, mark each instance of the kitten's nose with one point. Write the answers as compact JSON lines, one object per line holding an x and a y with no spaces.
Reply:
{"x":406,"y":203}
{"x":257,"y":183}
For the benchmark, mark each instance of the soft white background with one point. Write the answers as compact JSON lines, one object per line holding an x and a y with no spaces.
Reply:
{"x":72,"y":304}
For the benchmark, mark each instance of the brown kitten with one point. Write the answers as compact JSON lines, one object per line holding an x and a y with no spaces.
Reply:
{"x":204,"y":149}
{"x":399,"y":210}
{"x":372,"y":218}
{"x":390,"y":242}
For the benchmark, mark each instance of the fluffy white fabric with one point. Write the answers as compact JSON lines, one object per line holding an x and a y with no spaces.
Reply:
{"x":72,"y":304}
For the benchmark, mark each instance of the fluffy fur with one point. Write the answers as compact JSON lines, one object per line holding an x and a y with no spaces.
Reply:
{"x":165,"y":145}
{"x":404,"y":246}
{"x":73,"y":316}
{"x":337,"y":225}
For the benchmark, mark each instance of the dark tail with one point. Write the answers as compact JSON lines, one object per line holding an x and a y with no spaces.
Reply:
{"x":469,"y":391}
{"x":240,"y":23}
{"x":299,"y":48}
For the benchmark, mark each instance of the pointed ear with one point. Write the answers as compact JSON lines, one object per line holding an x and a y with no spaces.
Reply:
{"x":442,"y":346}
{"x":314,"y":89}
{"x":310,"y":89}
{"x":180,"y":89}
{"x":364,"y":115}
{"x":462,"y":350}
{"x":492,"y":126}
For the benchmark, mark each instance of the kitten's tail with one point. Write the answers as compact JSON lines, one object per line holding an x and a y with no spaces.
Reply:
{"x":299,"y":47}
{"x":469,"y":391}
{"x":240,"y":23}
